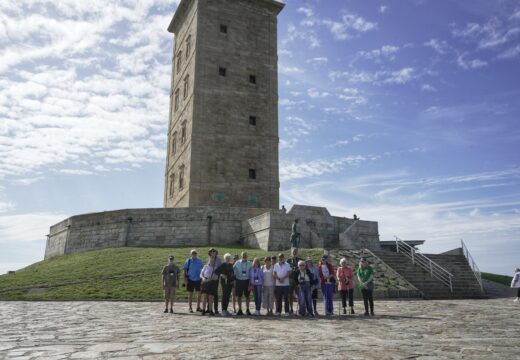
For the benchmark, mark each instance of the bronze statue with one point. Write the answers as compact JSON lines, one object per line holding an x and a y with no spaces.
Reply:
{"x":295,"y":235}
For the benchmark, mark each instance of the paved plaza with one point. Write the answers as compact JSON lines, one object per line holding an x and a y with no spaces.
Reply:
{"x":449,"y":329}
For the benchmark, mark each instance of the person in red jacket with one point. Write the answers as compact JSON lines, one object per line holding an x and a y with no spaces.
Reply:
{"x":327,"y":280}
{"x":345,"y":275}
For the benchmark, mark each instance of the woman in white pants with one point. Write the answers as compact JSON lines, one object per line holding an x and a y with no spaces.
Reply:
{"x":515,"y":283}
{"x":268,"y":288}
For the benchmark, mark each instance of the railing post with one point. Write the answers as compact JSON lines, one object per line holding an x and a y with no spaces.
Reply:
{"x":431,"y":268}
{"x":413,"y":257}
{"x":396,"y":246}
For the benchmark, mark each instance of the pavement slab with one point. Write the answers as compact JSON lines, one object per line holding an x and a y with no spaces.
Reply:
{"x":401,"y":329}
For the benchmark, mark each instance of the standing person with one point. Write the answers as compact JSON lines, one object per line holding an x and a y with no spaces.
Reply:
{"x":327,"y":279}
{"x":304,"y":280}
{"x":227,"y":279}
{"x":208,"y":285}
{"x":268,"y":286}
{"x":256,"y":277}
{"x":214,"y":254}
{"x":241,"y":269}
{"x":365,"y":275}
{"x":234,"y":290}
{"x":345,"y":275}
{"x":317,"y":284}
{"x":170,"y":283}
{"x":282,"y":272}
{"x":293,"y":263}
{"x":515,"y":283}
{"x":192,"y":268}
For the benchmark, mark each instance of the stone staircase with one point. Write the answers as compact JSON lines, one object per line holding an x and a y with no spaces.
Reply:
{"x":465,"y":284}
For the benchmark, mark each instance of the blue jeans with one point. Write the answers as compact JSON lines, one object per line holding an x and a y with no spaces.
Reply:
{"x":327,"y":291}
{"x":257,"y":293}
{"x":305,"y":298}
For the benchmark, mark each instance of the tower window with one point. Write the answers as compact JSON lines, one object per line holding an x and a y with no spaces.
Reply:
{"x":252,"y":120}
{"x":252,"y":79}
{"x":188,"y":46}
{"x":252,"y":174}
{"x":186,"y":86}
{"x":181,"y":177}
{"x":183,"y":132}
{"x":174,"y":143}
{"x":222,"y":71}
{"x":223,"y":29}
{"x":176,"y":100}
{"x":179,"y":61}
{"x":172,"y":184}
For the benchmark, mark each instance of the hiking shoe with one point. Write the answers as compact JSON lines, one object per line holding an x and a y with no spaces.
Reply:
{"x":216,"y":312}
{"x":171,"y":311}
{"x":165,"y":310}
{"x":277,"y":314}
{"x":199,"y":309}
{"x":203,"y":313}
{"x":211,"y":313}
{"x":248,"y":313}
{"x":372,"y":313}
{"x":240,"y":313}
{"x":366,"y":313}
{"x":352,"y":311}
{"x":191,"y":311}
{"x":344,"y":311}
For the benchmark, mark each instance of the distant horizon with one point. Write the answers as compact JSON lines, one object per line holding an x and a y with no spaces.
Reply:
{"x":402,"y":113}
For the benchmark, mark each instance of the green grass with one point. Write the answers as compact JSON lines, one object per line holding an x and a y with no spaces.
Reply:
{"x":501,"y":279}
{"x":110,"y":274}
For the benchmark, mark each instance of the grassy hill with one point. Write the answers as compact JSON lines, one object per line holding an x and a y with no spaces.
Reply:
{"x":501,"y":279}
{"x":110,"y":274}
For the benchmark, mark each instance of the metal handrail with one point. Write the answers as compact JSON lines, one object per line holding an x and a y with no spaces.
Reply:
{"x":472,"y":264}
{"x":436,"y":271}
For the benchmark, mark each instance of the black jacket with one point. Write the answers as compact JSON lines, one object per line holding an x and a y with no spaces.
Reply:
{"x":296,"y":277}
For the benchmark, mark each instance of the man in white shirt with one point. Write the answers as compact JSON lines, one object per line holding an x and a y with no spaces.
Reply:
{"x":282,"y":272}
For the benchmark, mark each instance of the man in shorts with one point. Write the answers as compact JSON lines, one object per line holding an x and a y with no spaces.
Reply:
{"x":170,"y":282}
{"x":293,"y":263}
{"x":241,"y":269}
{"x":192,"y":268}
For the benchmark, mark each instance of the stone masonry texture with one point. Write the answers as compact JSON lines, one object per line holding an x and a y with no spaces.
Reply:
{"x":223,"y":131}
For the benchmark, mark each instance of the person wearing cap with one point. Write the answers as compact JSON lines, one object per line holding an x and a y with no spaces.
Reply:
{"x":214,"y":254}
{"x":170,"y":282}
{"x":316,"y":286}
{"x":282,"y":272}
{"x":241,"y":269}
{"x":365,"y":275}
{"x":303,"y":281}
{"x":327,"y":279}
{"x":192,"y":268}
{"x":268,"y":286}
{"x":345,"y":275}
{"x":227,"y":279}
{"x":293,"y":263}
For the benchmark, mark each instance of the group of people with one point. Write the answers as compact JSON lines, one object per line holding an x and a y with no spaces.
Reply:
{"x":279,"y":281}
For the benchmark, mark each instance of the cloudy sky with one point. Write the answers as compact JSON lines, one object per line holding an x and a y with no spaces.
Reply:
{"x":404,"y":112}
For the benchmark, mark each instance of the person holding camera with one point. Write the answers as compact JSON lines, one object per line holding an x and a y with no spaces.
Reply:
{"x":256,"y":277}
{"x":192,"y":268}
{"x":345,"y":275}
{"x":170,"y":282}
{"x":208,"y":286}
{"x":227,"y":280}
{"x":328,"y":280}
{"x":365,"y":275}
{"x":303,"y":281}
{"x":241,"y":269}
{"x":316,"y":286}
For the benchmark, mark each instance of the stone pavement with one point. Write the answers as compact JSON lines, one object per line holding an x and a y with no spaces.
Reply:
{"x":447,"y":329}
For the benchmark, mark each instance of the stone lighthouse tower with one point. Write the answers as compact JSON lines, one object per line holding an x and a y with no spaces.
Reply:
{"x":223,"y":120}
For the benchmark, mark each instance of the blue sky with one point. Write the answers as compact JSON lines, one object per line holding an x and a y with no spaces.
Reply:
{"x":403,"y":112}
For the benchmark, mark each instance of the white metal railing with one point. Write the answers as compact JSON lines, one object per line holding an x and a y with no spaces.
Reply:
{"x":436,"y":271}
{"x":472,"y":264}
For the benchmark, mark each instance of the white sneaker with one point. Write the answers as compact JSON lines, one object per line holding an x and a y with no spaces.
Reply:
{"x":277,"y":314}
{"x":516,"y":300}
{"x":257,"y":313}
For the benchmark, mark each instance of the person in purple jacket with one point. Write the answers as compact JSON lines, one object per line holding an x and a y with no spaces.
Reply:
{"x":255,"y":281}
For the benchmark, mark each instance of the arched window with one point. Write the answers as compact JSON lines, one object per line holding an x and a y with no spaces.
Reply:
{"x":188,"y":46}
{"x":172,"y":185}
{"x":174,"y":143}
{"x":183,"y":132}
{"x":179,"y":61}
{"x":186,"y":86}
{"x":176,"y":100}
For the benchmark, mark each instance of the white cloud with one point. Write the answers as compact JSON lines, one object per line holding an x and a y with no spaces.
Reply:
{"x":297,"y":127}
{"x":385,"y":52}
{"x":489,"y":35}
{"x":439,"y":46}
{"x":510,"y":53}
{"x":428,"y":88}
{"x":349,"y":26}
{"x":470,"y":64}
{"x":315,"y":93}
{"x":307,"y":11}
{"x":288,"y":70}
{"x":309,"y":36}
{"x":317,"y":60}
{"x":400,"y":77}
{"x":383,"y":9}
{"x":353,"y":95}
